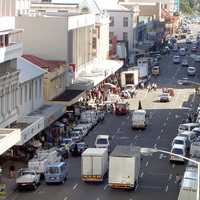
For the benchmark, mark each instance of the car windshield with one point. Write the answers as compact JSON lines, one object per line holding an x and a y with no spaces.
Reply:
{"x":75,"y":133}
{"x":178,"y":142}
{"x":26,"y":173}
{"x":53,"y":170}
{"x":67,"y":141}
{"x":80,"y":145}
{"x":177,"y":151}
{"x":102,"y":141}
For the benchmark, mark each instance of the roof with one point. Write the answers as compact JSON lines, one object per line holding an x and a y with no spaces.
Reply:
{"x":179,"y":138}
{"x":178,"y":146}
{"x":94,"y":151}
{"x":28,"y":70}
{"x":50,"y":65}
{"x":125,"y":151}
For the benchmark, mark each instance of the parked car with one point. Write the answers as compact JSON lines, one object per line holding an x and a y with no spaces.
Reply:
{"x":176,"y":59}
{"x":67,"y":143}
{"x":179,"y":150}
{"x":78,"y":148}
{"x":165,"y":97}
{"x":83,"y":128}
{"x":56,"y":172}
{"x":76,"y":136}
{"x":187,"y":127}
{"x":27,"y":178}
{"x":191,"y":71}
{"x":180,"y":140}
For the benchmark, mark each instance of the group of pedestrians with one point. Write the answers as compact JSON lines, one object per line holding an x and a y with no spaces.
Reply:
{"x":151,"y":87}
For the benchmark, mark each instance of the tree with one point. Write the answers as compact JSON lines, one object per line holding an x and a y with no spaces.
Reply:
{"x":186,"y":6}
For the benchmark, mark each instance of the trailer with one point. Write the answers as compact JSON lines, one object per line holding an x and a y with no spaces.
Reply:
{"x":94,"y":164}
{"x":124,"y":167}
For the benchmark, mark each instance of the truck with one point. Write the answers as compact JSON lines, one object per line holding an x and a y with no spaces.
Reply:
{"x":139,"y":119}
{"x":195,"y":149}
{"x":94,"y":164}
{"x":42,"y":159}
{"x":89,"y":116}
{"x":124,"y":167}
{"x":129,"y":77}
{"x":143,"y":66}
{"x":188,"y":185}
{"x":27,"y":178}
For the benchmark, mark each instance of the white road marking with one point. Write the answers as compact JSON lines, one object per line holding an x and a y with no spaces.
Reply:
{"x":66,"y":198}
{"x":162,"y":131}
{"x":176,"y":116}
{"x":75,"y":186}
{"x":147,"y":163}
{"x":166,"y":189}
{"x":167,"y":119}
{"x":164,"y":124}
{"x":105,"y":187}
{"x":173,"y":165}
{"x":158,"y":138}
{"x":170,"y":113}
{"x":98,"y":198}
{"x":142,"y":174}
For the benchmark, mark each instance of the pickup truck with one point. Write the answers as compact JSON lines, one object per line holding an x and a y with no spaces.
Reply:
{"x":27,"y":178}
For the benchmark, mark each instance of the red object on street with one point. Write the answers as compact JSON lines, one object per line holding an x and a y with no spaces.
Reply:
{"x":122,"y":108}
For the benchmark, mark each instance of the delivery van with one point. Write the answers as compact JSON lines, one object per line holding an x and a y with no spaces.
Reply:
{"x":139,"y":119}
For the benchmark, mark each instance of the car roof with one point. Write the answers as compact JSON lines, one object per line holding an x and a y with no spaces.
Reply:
{"x":178,"y":146}
{"x":102,"y":136}
{"x":187,"y":132}
{"x":178,"y":137}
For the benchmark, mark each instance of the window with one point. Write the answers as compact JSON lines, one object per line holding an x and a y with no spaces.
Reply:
{"x":125,"y":21}
{"x":40,"y":87}
{"x":112,"y":23}
{"x":36,"y":89}
{"x":94,"y":43}
{"x":21,"y":95}
{"x":25,"y":95}
{"x":30,"y":91}
{"x":111,"y":35}
{"x":125,"y":36}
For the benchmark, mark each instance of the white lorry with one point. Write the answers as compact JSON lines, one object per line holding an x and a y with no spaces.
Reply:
{"x":188,"y":185}
{"x":143,"y":66}
{"x":42,"y":159}
{"x":139,"y":119}
{"x":124,"y":167}
{"x":94,"y":164}
{"x":195,"y":149}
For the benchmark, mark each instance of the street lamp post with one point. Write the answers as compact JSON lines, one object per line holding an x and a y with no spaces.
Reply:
{"x":155,"y":150}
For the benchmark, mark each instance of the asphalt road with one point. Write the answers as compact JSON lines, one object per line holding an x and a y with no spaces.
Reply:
{"x":157,"y":175}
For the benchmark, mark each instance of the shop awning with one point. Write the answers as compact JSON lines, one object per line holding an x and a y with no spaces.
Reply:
{"x":50,"y":112}
{"x":88,"y":80}
{"x":8,"y":138}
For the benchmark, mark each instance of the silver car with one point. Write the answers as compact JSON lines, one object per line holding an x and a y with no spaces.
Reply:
{"x":191,"y":71}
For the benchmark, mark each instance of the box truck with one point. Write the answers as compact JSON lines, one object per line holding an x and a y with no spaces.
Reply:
{"x":124,"y":167}
{"x":94,"y":164}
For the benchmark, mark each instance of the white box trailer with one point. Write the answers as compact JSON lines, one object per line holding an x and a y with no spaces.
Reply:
{"x":38,"y":165}
{"x":124,"y":167}
{"x":188,"y":185}
{"x":195,"y":149}
{"x":94,"y":164}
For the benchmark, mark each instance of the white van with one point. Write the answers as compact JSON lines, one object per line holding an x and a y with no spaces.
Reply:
{"x":177,"y":149}
{"x":139,"y":119}
{"x":182,"y":52}
{"x":103,"y":141}
{"x":187,"y":127}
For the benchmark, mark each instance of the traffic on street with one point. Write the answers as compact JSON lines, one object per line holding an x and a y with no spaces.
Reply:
{"x":161,"y":113}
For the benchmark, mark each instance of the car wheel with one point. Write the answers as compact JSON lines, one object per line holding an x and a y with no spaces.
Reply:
{"x":34,"y":186}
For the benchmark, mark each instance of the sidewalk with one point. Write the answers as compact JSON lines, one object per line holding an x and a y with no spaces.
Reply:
{"x":7,"y":180}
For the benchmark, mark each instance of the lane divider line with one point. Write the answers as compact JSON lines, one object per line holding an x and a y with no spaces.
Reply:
{"x":147,"y":163}
{"x":166,"y":189}
{"x":75,"y":186}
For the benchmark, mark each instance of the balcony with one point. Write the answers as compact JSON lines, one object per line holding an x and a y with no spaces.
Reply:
{"x":10,"y":45}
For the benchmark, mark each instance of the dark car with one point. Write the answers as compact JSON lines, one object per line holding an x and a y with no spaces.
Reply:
{"x":78,"y":148}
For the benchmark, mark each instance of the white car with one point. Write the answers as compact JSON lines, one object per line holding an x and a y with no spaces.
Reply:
{"x":103,"y":141}
{"x":191,"y":71}
{"x":182,"y":52}
{"x":176,"y":59}
{"x":179,"y":150}
{"x":180,"y":140}
{"x":187,"y":127}
{"x":165,"y":97}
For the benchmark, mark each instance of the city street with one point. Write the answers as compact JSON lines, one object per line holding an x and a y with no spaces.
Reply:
{"x":157,"y":175}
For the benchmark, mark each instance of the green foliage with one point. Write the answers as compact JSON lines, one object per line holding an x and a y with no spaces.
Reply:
{"x":186,"y":6}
